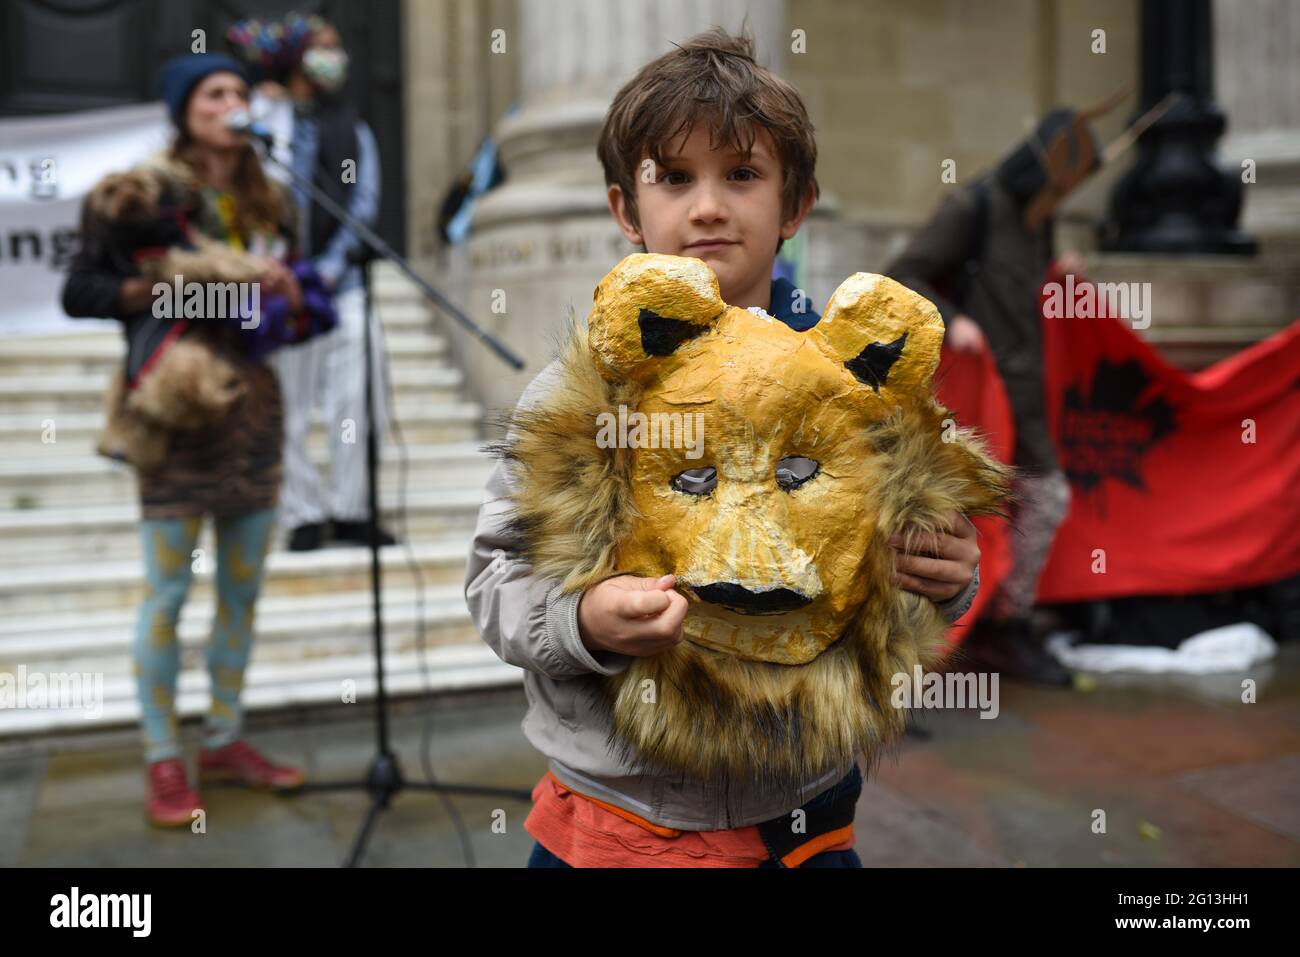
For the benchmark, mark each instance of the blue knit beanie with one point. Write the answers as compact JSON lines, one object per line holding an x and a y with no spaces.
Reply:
{"x":180,"y":75}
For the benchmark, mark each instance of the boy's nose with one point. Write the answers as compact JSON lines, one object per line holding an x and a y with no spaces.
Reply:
{"x":707,"y":205}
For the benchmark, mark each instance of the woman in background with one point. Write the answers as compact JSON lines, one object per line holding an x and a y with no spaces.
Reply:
{"x":213,"y":184}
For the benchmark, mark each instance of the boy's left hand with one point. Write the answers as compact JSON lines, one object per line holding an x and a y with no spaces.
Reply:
{"x":939,"y":567}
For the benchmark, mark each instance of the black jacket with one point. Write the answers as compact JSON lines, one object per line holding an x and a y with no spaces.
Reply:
{"x":1000,"y":290}
{"x":94,"y":282}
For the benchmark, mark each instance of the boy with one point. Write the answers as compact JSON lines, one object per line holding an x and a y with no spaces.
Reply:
{"x":708,"y":155}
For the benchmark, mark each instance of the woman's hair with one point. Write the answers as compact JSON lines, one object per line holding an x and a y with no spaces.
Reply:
{"x":257,"y":201}
{"x":713,"y":79}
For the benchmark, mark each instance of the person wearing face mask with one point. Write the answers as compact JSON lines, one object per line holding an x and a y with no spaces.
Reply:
{"x":303,"y":60}
{"x":981,"y":259}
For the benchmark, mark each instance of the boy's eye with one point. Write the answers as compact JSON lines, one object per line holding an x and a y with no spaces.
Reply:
{"x":749,"y":174}
{"x":667,"y":177}
{"x":794,"y":470}
{"x":698,"y":481}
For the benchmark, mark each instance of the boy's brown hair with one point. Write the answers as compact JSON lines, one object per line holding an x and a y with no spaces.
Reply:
{"x":711,"y":78}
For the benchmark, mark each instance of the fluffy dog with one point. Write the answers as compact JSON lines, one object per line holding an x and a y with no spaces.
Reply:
{"x":189,"y":386}
{"x":129,"y":203}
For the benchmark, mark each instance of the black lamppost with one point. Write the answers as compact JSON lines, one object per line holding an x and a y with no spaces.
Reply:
{"x":1177,"y":198}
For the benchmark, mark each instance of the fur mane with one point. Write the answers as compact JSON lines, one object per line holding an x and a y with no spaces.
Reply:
{"x":715,"y":714}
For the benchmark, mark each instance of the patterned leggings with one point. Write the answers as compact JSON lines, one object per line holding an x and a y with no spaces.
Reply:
{"x":1042,"y":503}
{"x":169,"y":559}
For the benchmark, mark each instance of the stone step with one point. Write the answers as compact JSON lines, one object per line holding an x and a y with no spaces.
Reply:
{"x":112,"y":532}
{"x":274,"y":685}
{"x":33,"y":482}
{"x":407,"y":310}
{"x":1236,"y":336}
{"x":71,"y":580}
{"x":1196,"y":347}
{"x":408,"y":337}
{"x":90,"y":586}
{"x":388,"y":276}
{"x":50,"y":396}
{"x":74,"y":434}
{"x":287,"y":628}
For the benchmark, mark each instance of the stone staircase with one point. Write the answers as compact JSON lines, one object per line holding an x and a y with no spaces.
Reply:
{"x":70,"y":568}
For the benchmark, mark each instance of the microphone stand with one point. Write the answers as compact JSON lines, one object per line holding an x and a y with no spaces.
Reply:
{"x":384,"y":779}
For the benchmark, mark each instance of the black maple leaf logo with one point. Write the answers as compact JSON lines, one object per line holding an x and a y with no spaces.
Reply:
{"x":1107,"y":431}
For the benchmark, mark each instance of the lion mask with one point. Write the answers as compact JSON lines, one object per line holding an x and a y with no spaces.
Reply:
{"x":767,"y":469}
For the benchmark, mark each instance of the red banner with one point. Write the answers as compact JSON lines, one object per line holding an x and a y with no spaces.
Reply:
{"x":1182,"y":483}
{"x":969,"y":384}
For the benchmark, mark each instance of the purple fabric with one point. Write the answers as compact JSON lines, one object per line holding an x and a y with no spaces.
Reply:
{"x":278,"y":327}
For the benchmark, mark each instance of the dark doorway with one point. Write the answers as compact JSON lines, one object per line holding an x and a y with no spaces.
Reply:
{"x":62,"y":55}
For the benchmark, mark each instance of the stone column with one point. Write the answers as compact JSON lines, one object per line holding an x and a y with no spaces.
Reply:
{"x":1257,"y":75}
{"x":542,"y":240}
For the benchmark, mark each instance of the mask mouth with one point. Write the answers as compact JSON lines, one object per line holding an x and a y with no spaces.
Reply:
{"x":326,"y":67}
{"x":744,"y":601}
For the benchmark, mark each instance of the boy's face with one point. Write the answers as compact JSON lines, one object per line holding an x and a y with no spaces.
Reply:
{"x":702,"y":195}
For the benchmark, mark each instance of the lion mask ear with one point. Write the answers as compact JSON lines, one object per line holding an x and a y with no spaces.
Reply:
{"x":885,"y":334}
{"x":645,"y":308}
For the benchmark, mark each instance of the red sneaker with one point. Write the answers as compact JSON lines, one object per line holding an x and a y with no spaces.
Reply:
{"x":239,"y":761}
{"x":171,"y":802}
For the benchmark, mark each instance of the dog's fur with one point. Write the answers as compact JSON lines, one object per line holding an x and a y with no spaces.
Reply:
{"x":190,"y":385}
{"x":128,"y":437}
{"x":717,"y":714}
{"x":128,"y":203}
{"x":130,"y":197}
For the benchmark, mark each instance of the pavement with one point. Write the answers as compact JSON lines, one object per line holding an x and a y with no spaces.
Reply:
{"x":1122,"y":771}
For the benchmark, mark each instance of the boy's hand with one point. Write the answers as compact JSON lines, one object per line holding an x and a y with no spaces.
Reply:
{"x":941,"y":567}
{"x":632,"y":615}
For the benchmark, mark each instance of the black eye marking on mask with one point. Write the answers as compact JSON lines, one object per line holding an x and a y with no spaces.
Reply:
{"x":871,"y":366}
{"x":661,"y":335}
{"x":697,"y":481}
{"x":795,"y":470}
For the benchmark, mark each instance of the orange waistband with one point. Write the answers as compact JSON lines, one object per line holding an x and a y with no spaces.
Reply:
{"x":615,"y":809}
{"x":818,"y":844}
{"x":796,"y":857}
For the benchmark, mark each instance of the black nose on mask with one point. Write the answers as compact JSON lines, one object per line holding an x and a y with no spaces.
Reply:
{"x":740,"y":599}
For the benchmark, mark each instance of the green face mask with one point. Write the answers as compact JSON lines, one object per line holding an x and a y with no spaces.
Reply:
{"x":326,"y":67}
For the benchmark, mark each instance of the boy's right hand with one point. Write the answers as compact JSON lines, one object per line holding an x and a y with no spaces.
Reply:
{"x":632,"y":615}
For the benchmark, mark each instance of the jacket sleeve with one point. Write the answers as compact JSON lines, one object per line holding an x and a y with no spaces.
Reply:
{"x":526,"y":619}
{"x":91,"y":294}
{"x":91,"y":288}
{"x":937,"y":250}
{"x":960,"y":603}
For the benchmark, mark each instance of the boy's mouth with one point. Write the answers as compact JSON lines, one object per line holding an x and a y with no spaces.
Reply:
{"x":710,"y":245}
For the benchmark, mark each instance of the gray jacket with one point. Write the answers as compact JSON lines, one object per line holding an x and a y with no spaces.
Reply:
{"x":529,"y":623}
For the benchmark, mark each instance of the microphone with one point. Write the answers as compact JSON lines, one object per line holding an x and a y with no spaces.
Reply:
{"x":239,"y":121}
